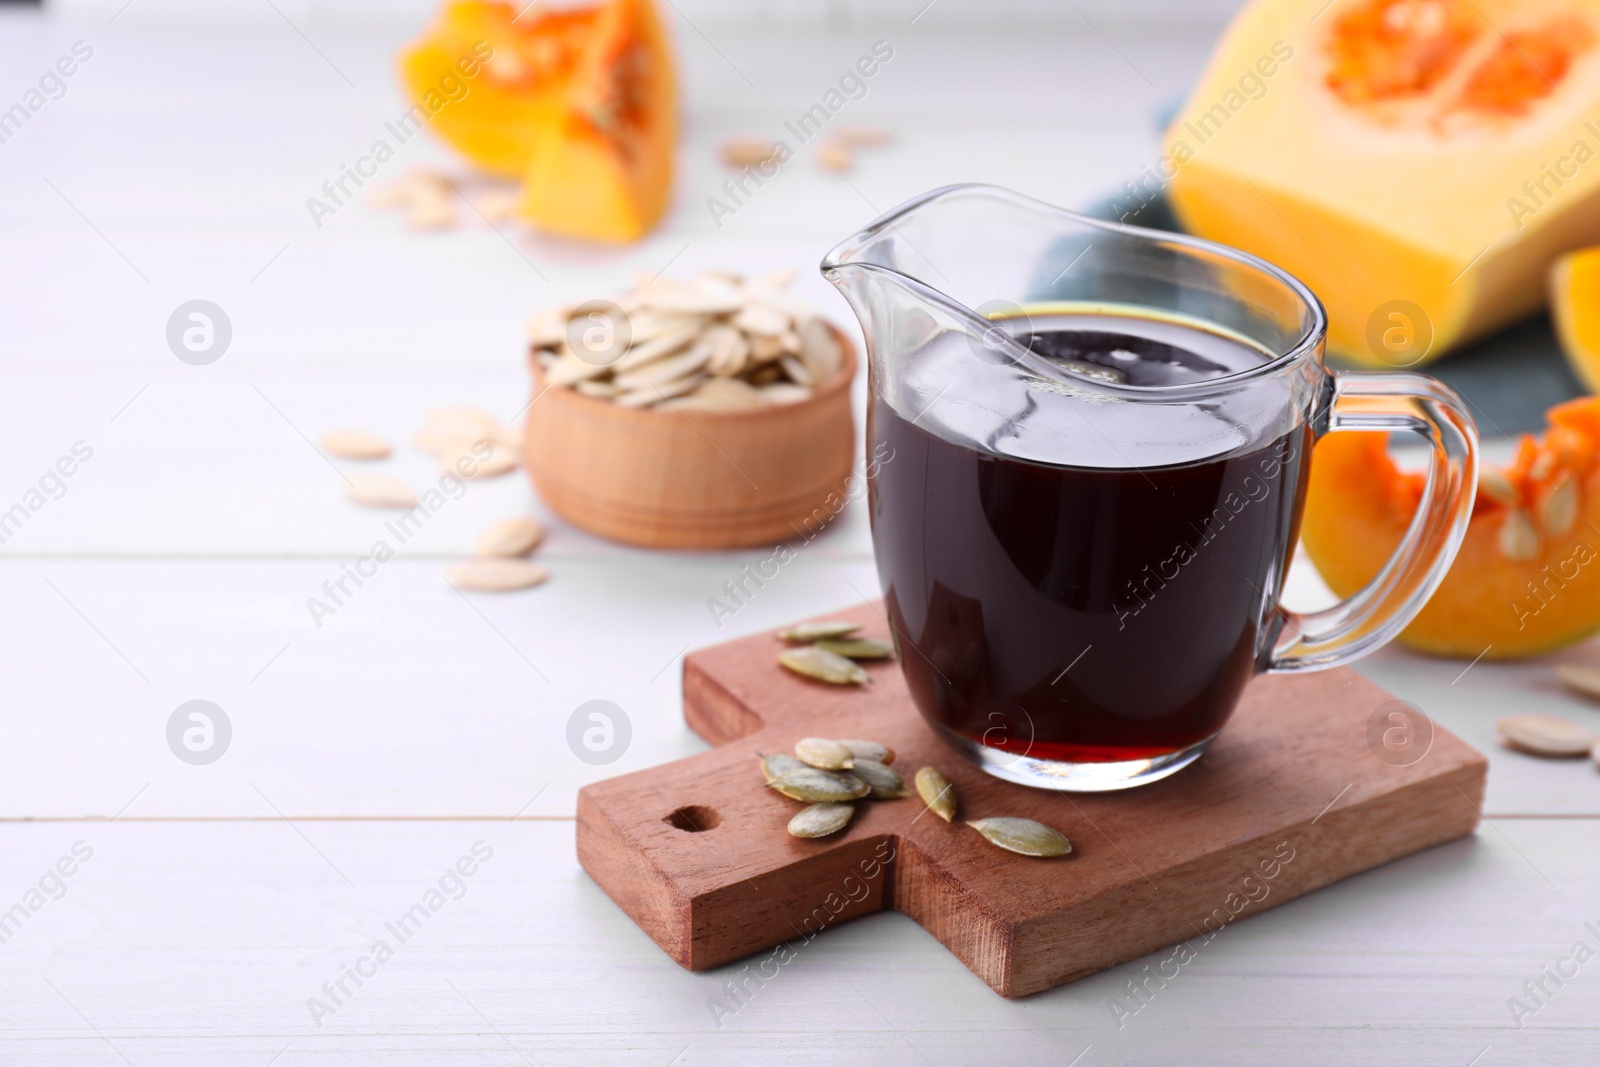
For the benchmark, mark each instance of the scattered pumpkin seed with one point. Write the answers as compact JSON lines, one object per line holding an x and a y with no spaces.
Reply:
{"x":1546,"y":735}
{"x":857,"y":648}
{"x":1022,"y":836}
{"x":937,"y":792}
{"x":816,"y":786}
{"x":885,"y":781}
{"x":821,"y":819}
{"x":807,"y":632}
{"x":824,"y":666}
{"x":509,"y":538}
{"x":384,"y":491}
{"x":495,"y":575}
{"x":868,"y":750}
{"x":355,"y":444}
{"x":1585,"y":680}
{"x":775,"y":765}
{"x":824,"y":754}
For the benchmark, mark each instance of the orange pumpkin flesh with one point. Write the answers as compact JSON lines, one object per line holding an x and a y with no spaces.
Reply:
{"x":520,"y":67}
{"x":1527,"y":578}
{"x":581,"y":103}
{"x":602,"y":167}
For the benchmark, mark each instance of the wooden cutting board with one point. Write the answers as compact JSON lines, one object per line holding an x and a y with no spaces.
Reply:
{"x":1295,"y":794}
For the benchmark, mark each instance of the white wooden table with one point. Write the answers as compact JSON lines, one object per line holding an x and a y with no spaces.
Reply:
{"x":208,"y":905}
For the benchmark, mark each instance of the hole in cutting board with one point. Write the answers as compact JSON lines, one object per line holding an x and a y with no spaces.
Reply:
{"x":694,"y":818}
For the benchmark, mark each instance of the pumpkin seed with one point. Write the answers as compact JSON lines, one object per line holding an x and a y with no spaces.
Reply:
{"x":856,"y":648}
{"x":819,"y":349}
{"x":509,"y":538}
{"x":775,"y":765}
{"x":885,"y":781}
{"x":761,"y":319}
{"x":1559,"y":511}
{"x":1585,"y":680}
{"x":1022,"y":836}
{"x":937,"y":793}
{"x":1495,"y":483}
{"x":823,"y":666}
{"x":569,"y":370}
{"x":865,"y":136}
{"x":354,"y":444}
{"x":1519,"y":538}
{"x":780,"y":393}
{"x":472,"y":465}
{"x":729,"y":394}
{"x":645,"y":395}
{"x":814,"y":786}
{"x":381,"y":491}
{"x":662,"y":371}
{"x":825,"y":754}
{"x":868,"y":750}
{"x":1546,"y":735}
{"x":835,"y":156}
{"x":658,"y":347}
{"x":796,"y":370}
{"x":430,"y":215}
{"x":820,"y":820}
{"x":807,"y":632}
{"x":741,"y":152}
{"x":495,"y":575}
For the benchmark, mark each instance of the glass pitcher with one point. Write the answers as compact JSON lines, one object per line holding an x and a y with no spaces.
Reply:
{"x":1090,"y":450}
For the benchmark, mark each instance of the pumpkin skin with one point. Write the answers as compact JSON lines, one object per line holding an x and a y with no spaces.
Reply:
{"x":1575,"y":307}
{"x":1359,"y":503}
{"x":602,"y":167}
{"x":1401,"y":157}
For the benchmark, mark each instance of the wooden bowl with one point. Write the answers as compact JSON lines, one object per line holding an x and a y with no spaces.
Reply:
{"x":667,"y":479}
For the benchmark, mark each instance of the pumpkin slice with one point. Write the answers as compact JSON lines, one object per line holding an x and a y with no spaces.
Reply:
{"x":488,"y":80}
{"x":1527,"y":578}
{"x":1575,"y":306}
{"x":602,"y":166}
{"x":1418,"y":163}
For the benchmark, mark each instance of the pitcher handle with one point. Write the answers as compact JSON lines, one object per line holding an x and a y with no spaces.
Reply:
{"x":1361,"y":623}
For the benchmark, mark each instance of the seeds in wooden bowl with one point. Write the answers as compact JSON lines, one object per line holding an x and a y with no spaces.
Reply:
{"x":1025,"y":837}
{"x":381,"y":491}
{"x":495,"y":575}
{"x":824,"y":754}
{"x":815,"y":786}
{"x":823,"y":666}
{"x":355,"y":444}
{"x":822,"y":819}
{"x":937,"y":793}
{"x":716,"y":343}
{"x":1546,"y":735}
{"x":509,"y":538}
